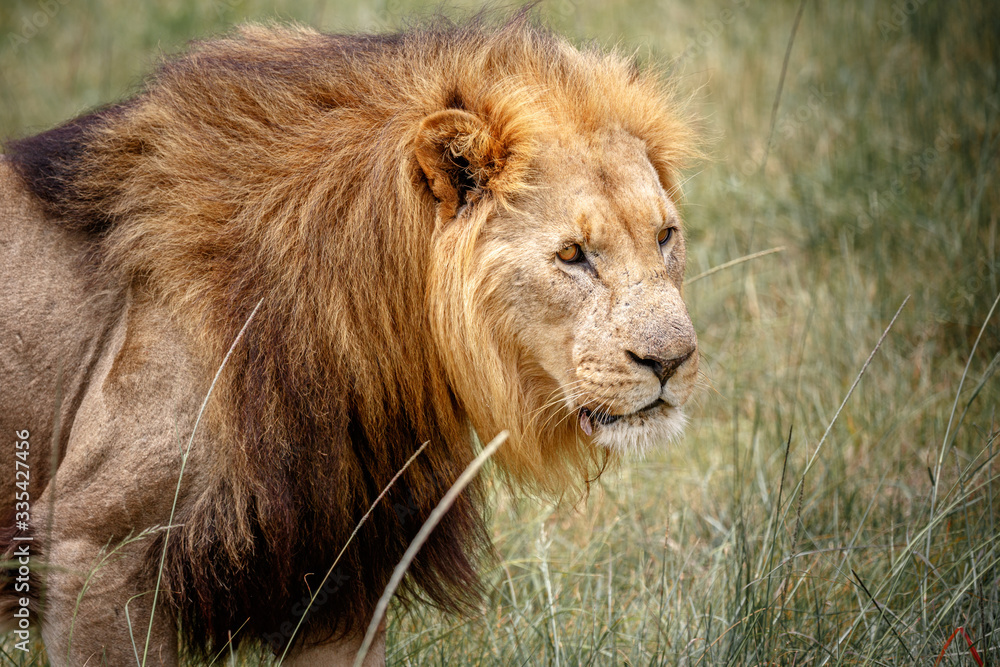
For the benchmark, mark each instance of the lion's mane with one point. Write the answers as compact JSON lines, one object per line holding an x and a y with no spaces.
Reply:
{"x":277,"y":164}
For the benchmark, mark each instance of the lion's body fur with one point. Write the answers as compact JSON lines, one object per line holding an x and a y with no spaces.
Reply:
{"x":277,"y":166}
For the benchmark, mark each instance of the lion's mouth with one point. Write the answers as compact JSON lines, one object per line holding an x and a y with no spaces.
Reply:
{"x":590,"y":419}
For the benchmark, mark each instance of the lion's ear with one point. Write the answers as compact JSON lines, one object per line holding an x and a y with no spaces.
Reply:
{"x":458,"y":156}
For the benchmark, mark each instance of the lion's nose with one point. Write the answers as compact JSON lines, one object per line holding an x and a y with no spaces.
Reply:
{"x":661,"y":367}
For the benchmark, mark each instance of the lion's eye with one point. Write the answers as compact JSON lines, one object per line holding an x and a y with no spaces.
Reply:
{"x":570,"y":254}
{"x":665,"y":235}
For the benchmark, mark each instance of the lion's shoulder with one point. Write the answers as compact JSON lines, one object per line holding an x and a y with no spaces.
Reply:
{"x":52,"y":317}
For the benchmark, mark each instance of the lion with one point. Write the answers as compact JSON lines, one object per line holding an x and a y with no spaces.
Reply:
{"x":343,"y":247}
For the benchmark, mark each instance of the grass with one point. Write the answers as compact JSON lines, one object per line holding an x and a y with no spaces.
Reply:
{"x":881,"y":183}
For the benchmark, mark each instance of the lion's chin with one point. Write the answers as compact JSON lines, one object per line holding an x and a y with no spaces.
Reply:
{"x":634,"y":435}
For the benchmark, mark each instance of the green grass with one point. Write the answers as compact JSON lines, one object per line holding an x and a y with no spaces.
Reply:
{"x":881,"y":182}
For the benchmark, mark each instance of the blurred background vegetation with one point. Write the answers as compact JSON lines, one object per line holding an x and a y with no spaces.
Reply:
{"x":767,"y":536}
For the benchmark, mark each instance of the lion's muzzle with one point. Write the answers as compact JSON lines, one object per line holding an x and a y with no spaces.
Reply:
{"x":631,"y":395}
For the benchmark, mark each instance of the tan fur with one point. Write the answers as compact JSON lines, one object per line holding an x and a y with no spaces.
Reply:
{"x":395,"y":204}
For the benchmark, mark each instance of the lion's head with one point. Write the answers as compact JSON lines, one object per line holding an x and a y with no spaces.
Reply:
{"x":557,"y":298}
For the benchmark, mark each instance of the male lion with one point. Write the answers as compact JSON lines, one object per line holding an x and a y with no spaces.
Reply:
{"x":455,"y":229}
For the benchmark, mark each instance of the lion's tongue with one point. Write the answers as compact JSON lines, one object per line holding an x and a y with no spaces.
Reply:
{"x":585,"y":423}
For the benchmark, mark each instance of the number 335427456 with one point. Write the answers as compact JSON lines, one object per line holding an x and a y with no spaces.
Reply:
{"x":21,"y":474}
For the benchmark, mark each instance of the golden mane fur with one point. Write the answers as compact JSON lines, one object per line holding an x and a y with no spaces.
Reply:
{"x":277,"y":165}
